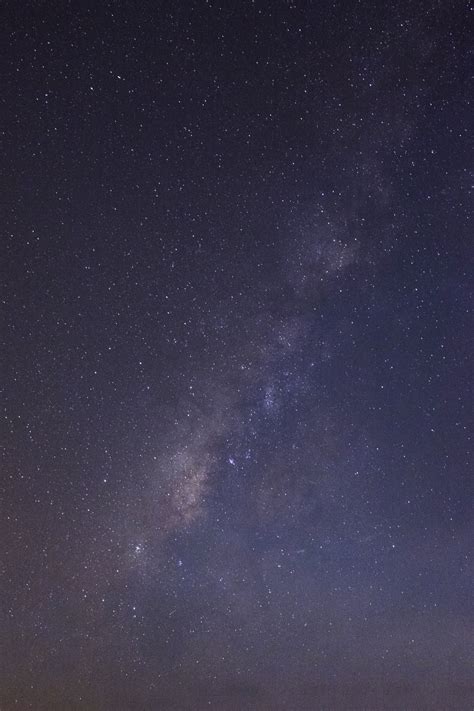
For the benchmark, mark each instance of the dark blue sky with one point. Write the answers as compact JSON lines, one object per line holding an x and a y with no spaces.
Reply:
{"x":237,"y":400}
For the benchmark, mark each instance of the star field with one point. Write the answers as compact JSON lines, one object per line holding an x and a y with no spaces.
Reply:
{"x":236,"y":375}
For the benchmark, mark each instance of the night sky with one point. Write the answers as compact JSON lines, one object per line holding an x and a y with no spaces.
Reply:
{"x":236,"y":380}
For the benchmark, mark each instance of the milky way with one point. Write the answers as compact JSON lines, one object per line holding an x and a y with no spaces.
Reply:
{"x":236,"y":357}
